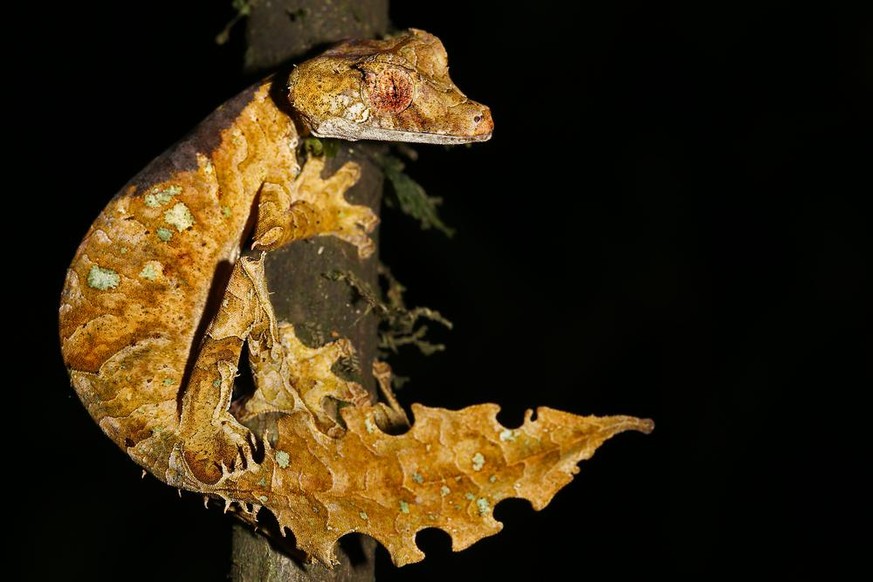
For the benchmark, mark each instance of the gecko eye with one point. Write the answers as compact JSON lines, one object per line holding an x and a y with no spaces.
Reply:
{"x":389,"y":90}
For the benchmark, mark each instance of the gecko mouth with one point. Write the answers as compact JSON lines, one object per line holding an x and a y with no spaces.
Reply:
{"x":403,"y":136}
{"x":475,"y":128}
{"x":434,"y":138}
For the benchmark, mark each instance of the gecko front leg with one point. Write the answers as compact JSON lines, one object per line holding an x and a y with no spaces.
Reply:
{"x":314,"y":206}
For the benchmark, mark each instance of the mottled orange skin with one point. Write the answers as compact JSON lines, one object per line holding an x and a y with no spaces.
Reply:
{"x":127,"y":347}
{"x":130,"y":347}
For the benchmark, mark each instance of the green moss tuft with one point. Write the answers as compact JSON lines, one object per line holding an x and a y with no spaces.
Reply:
{"x":318,"y":147}
{"x":410,"y":196}
{"x":399,"y":325}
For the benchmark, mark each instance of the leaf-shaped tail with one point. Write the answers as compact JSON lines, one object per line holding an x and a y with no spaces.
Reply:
{"x":448,"y":471}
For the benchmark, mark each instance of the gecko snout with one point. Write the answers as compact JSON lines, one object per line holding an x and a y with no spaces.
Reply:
{"x":482,"y":125}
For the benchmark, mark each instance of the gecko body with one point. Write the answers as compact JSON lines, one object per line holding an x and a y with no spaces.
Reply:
{"x":158,"y":302}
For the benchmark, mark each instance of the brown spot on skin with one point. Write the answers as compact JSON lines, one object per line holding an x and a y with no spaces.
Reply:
{"x":390,"y":91}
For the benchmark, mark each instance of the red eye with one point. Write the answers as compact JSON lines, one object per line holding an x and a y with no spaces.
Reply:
{"x":390,"y":91}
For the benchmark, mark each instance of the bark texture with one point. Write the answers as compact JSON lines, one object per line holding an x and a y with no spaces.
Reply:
{"x":254,"y":558}
{"x":281,"y":32}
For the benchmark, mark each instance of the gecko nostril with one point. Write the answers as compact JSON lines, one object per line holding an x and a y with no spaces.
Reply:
{"x":477,"y":118}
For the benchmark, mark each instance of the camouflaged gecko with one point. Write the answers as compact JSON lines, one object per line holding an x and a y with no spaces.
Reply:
{"x":154,"y":360}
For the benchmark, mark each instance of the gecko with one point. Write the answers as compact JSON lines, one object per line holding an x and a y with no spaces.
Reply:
{"x":167,"y":292}
{"x":152,"y":364}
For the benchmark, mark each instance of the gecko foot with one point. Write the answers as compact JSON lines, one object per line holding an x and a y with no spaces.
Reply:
{"x":314,"y":206}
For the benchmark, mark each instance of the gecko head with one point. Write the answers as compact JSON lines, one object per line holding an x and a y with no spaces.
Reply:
{"x":397,"y":89}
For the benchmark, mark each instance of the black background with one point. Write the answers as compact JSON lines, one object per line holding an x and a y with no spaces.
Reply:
{"x":667,"y":223}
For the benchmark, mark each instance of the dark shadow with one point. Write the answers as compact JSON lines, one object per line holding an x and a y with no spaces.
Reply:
{"x":287,"y":544}
{"x":352,"y":545}
{"x":217,"y":287}
{"x":351,"y":548}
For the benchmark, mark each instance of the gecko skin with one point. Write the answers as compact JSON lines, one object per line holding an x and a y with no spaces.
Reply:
{"x":150,"y":351}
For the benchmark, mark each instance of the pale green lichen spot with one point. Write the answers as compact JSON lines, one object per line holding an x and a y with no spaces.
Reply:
{"x":165,"y":234}
{"x":283,"y":459}
{"x":478,"y":461}
{"x":161,"y":196}
{"x":492,"y":479}
{"x":483,"y":506}
{"x":226,"y":211}
{"x":404,"y":507}
{"x":469,"y":496}
{"x":102,"y":279}
{"x":151,"y":271}
{"x":179,"y":216}
{"x":507,"y":435}
{"x":371,"y":426}
{"x":418,"y":478}
{"x":167,"y":382}
{"x":444,"y":491}
{"x":364,"y":515}
{"x":263,"y":498}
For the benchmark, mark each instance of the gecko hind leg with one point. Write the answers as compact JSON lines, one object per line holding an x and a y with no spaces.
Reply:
{"x":313,"y":206}
{"x":213,"y":444}
{"x":288,"y":377}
